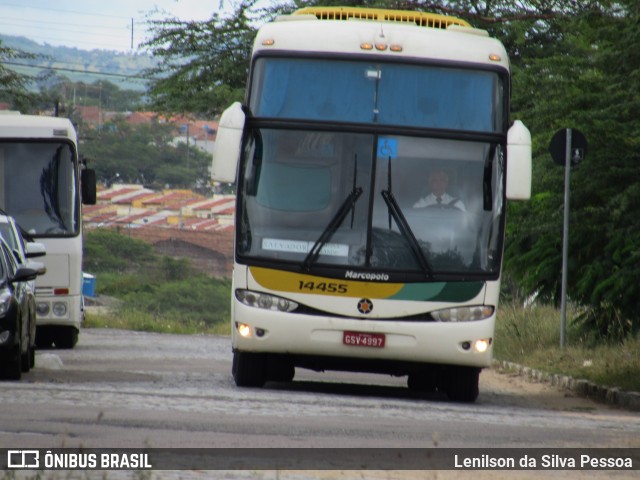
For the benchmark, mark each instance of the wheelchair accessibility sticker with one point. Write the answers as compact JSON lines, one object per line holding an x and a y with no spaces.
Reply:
{"x":387,"y":147}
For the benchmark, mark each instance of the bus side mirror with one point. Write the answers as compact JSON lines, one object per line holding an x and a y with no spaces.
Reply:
{"x":88,"y":186}
{"x":518,"y":162}
{"x":226,"y":152}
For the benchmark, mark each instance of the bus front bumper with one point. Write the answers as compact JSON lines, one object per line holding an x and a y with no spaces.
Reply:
{"x":59,"y":310}
{"x":460,"y":343}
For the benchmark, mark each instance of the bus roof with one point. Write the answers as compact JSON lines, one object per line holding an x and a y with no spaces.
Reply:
{"x":312,"y":30}
{"x":15,"y":125}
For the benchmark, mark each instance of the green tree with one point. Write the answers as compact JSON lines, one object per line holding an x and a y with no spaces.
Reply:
{"x":102,"y":93}
{"x":144,"y":154}
{"x":204,"y":64}
{"x":108,"y":251}
{"x":14,"y":85}
{"x":586,"y":79}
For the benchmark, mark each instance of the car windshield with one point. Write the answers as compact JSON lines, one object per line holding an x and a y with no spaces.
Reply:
{"x":38,"y":186}
{"x":7,"y":234}
{"x":3,"y":270}
{"x":367,"y":201}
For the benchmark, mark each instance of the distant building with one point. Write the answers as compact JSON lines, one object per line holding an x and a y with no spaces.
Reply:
{"x":178,"y":222}
{"x":196,"y":132}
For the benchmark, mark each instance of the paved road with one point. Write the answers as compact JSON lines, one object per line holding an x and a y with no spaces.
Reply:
{"x":130,"y":389}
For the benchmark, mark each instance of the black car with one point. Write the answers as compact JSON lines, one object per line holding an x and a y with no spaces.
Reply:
{"x":17,"y":316}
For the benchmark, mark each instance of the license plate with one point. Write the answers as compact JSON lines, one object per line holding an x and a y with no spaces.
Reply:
{"x":361,"y":339}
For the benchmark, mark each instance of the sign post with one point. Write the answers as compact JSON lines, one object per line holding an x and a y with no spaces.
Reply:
{"x":568,"y":148}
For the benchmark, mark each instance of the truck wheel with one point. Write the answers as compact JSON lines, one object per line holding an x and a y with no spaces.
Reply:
{"x":249,"y":369}
{"x":462,"y":384}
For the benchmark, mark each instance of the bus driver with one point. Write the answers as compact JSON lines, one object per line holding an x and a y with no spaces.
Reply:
{"x":438,"y":185}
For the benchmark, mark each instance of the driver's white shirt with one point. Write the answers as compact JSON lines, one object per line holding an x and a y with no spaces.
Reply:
{"x":445,"y":200}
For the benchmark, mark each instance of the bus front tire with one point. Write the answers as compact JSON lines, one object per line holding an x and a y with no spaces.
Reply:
{"x":65,"y":337}
{"x":280,"y":368}
{"x":44,"y":337}
{"x":461,"y":384}
{"x":249,"y":369}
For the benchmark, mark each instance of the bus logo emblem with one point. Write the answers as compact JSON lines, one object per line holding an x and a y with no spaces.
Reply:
{"x":365,"y":306}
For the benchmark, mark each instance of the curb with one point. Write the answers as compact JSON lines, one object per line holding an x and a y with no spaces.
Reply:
{"x":584,"y":388}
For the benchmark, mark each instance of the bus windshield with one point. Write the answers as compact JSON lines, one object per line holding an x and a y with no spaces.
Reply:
{"x":409,"y":95}
{"x":391,"y":203}
{"x":39,"y":187}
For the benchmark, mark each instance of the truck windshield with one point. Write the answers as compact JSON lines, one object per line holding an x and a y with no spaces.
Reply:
{"x":38,"y":187}
{"x":449,"y":195}
{"x":420,"y":96}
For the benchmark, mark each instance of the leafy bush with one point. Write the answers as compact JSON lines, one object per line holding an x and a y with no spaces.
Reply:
{"x":155,"y":292}
{"x":531,"y":336}
{"x":107,"y":251}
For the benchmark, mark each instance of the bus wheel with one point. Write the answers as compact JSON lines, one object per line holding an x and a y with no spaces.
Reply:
{"x":462,"y":384}
{"x":424,"y":381}
{"x":65,"y":337}
{"x":44,"y":337}
{"x":249,"y":369}
{"x":280,"y":368}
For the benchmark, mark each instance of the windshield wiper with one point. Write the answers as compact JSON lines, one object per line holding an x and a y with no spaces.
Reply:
{"x":407,"y":233}
{"x":396,"y":212}
{"x":348,"y":204}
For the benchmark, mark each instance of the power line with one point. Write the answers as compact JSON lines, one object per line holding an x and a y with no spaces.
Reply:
{"x":76,"y":12}
{"x":76,"y":70}
{"x":106,"y":45}
{"x":55,"y":26}
{"x":31,"y":25}
{"x":75,"y":31}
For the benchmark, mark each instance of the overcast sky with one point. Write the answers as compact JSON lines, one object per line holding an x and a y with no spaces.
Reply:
{"x":96,"y":24}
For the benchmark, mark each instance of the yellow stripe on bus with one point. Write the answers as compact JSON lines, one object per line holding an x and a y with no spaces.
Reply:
{"x":301,"y":283}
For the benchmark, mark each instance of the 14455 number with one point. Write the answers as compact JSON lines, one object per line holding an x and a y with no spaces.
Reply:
{"x":329,"y":287}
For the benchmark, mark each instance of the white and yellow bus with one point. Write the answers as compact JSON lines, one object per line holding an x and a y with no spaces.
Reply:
{"x":341,"y":261}
{"x":41,"y":187}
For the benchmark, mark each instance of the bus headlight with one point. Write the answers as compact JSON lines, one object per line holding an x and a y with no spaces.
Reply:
{"x":243,"y":329}
{"x":42,"y":309}
{"x":481,"y":345}
{"x":247,"y":331}
{"x":463,"y":314}
{"x":59,"y":309}
{"x":265,"y":301}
